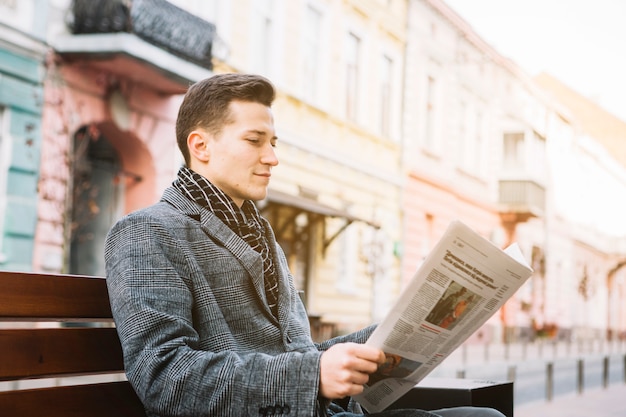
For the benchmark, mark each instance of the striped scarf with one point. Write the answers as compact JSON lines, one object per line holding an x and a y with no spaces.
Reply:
{"x":244,"y":221}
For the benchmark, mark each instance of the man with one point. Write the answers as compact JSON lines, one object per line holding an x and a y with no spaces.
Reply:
{"x":203,"y":301}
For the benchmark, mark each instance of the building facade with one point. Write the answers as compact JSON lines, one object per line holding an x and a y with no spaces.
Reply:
{"x":22,"y":55}
{"x":511,"y":156}
{"x":334,"y":197}
{"x":584,"y":295}
{"x":393,"y":116}
{"x":114,"y":80}
{"x":113,"y":83}
{"x":472,"y":121}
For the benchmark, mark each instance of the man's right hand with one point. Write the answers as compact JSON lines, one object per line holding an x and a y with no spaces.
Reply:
{"x":345,"y":368}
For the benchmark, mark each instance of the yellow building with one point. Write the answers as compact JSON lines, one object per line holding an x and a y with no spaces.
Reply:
{"x":394,"y":117}
{"x":334,"y":200}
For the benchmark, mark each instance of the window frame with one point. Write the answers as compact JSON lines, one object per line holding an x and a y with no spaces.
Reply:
{"x":387,"y":67}
{"x":312,"y":47}
{"x":352,"y":68}
{"x":5,"y":159}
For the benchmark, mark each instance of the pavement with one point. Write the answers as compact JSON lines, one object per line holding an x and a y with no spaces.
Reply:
{"x":600,"y":401}
{"x":605,"y":402}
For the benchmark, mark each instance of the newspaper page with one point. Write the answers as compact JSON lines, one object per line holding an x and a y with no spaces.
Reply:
{"x":462,"y":283}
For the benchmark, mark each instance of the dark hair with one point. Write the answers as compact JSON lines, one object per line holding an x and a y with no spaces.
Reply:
{"x":206,"y":103}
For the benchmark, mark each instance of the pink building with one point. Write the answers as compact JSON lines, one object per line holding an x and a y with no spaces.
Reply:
{"x":109,"y":145}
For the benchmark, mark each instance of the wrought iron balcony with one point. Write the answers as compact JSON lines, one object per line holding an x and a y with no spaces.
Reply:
{"x":168,"y":46}
{"x":524,"y":198}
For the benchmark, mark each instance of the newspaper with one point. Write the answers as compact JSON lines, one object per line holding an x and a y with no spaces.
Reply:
{"x":462,"y":283}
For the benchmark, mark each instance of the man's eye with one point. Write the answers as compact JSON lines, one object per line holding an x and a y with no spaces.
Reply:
{"x":253,"y":140}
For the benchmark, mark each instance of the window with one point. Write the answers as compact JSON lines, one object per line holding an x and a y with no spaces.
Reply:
{"x":386,"y":72}
{"x":311,"y":53}
{"x":538,"y":152}
{"x":5,"y":153}
{"x":262,"y":34}
{"x":471,"y":139}
{"x":353,"y":46}
{"x":513,"y":151}
{"x":429,"y":133}
{"x":479,"y":142}
{"x":463,"y":147}
{"x":429,"y":236}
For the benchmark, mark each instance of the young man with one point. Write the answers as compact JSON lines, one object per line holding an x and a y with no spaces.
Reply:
{"x":203,"y":301}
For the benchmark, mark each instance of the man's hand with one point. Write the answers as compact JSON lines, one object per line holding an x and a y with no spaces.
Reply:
{"x":345,"y":367}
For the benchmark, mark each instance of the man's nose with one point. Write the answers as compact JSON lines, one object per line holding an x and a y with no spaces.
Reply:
{"x":269,"y":156}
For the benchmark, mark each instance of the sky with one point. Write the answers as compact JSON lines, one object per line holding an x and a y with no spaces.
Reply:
{"x":582,"y":43}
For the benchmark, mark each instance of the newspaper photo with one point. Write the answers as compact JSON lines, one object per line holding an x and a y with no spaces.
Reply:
{"x":462,"y":283}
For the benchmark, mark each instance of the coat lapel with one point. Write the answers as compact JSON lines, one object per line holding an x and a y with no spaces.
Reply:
{"x":216,"y":229}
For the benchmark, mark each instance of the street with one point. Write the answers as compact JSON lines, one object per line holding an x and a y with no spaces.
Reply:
{"x":532,"y":372}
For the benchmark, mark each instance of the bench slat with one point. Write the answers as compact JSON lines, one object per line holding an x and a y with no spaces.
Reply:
{"x":34,"y":352}
{"x":38,"y":353}
{"x":95,"y":400}
{"x":32,"y":296}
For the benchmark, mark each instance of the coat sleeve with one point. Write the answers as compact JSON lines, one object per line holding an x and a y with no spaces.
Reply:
{"x":360,"y":336}
{"x":173,"y":374}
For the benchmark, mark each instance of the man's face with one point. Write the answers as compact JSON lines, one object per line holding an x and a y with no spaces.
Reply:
{"x":241,"y":157}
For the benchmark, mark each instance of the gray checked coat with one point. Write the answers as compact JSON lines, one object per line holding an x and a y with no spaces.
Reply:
{"x":198,"y":337}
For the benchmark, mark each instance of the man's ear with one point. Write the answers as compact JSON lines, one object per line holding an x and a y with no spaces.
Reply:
{"x":197,"y":142}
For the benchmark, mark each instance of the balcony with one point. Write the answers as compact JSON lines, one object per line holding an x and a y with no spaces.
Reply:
{"x":521,"y":199}
{"x":149,"y":41}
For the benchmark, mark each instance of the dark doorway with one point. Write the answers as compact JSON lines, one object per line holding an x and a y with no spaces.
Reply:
{"x":96,"y":199}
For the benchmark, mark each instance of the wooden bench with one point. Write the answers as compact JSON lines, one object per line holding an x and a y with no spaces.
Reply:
{"x":89,"y":347}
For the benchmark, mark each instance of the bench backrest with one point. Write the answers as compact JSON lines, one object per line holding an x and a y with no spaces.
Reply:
{"x":88,"y":347}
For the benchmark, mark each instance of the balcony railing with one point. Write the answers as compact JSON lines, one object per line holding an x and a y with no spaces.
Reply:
{"x":524,"y":197}
{"x":156,"y":21}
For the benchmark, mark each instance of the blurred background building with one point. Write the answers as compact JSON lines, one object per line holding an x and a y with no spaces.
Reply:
{"x":394,"y":118}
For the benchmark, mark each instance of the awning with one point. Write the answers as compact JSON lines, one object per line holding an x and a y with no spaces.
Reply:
{"x":312,"y":206}
{"x":303,"y":204}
